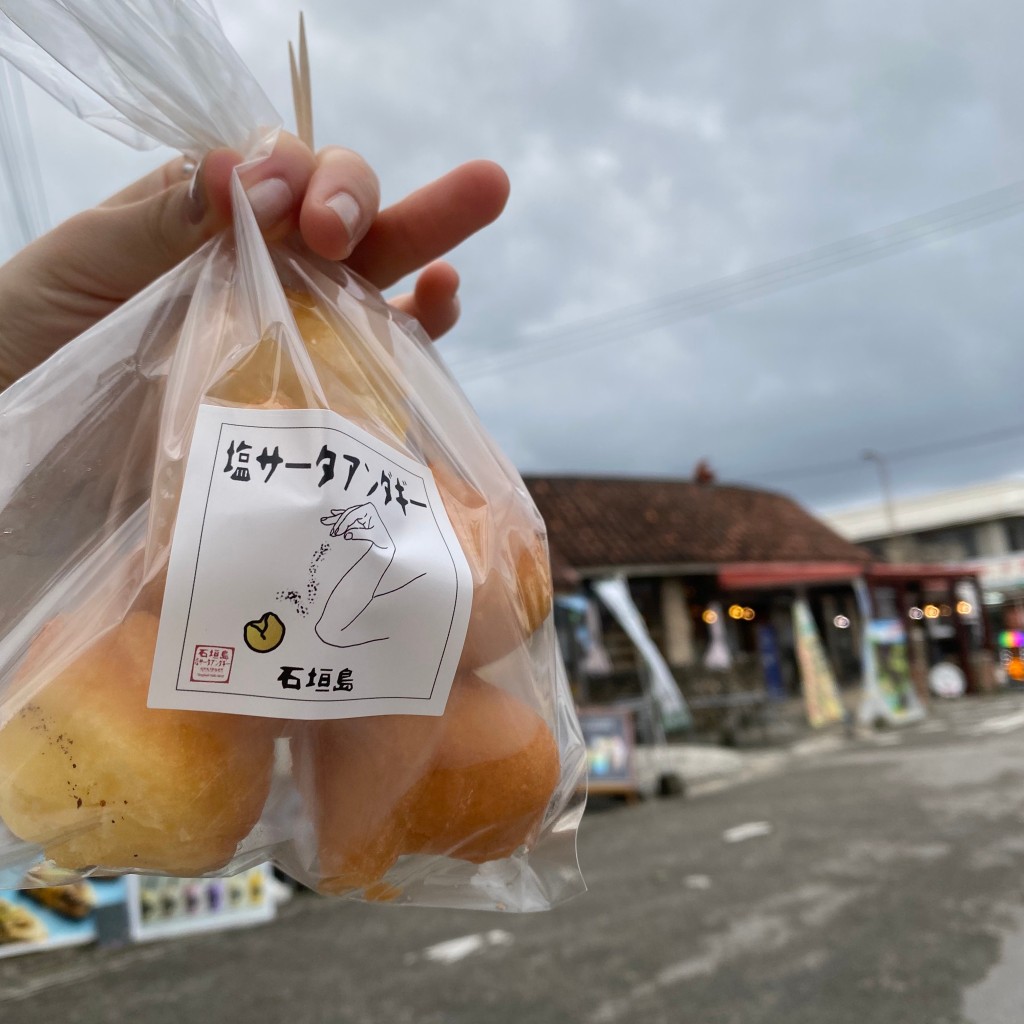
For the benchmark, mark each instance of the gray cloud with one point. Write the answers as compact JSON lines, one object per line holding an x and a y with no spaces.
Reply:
{"x":656,"y":146}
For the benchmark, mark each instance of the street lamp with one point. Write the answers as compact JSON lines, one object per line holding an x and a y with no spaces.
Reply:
{"x":883,"y":475}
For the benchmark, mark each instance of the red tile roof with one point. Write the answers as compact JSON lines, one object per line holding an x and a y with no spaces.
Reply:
{"x":632,"y":521}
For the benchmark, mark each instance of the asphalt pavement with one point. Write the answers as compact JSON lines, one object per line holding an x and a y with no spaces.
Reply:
{"x":841,"y":881}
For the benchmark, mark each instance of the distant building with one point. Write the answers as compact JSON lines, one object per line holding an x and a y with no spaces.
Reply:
{"x":981,"y":527}
{"x":659,"y":528}
{"x":688,"y":546}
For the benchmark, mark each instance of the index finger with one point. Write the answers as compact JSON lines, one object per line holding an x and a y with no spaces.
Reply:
{"x":430,"y":222}
{"x":354,"y":512}
{"x":340,"y":204}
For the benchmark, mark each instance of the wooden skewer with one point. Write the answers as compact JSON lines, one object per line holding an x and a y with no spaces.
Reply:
{"x":302,"y":92}
{"x":296,"y":89}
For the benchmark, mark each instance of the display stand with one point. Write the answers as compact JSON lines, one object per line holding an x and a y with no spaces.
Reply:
{"x":143,"y":908}
{"x":610,"y":737}
{"x":163,"y":908}
{"x":62,"y":931}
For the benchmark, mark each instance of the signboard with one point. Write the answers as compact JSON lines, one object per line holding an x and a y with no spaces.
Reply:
{"x":821,"y":696}
{"x":768,"y":648}
{"x":160,"y":908}
{"x":1001,"y":571}
{"x":889,"y":692}
{"x":136,"y":907}
{"x":885,"y":655}
{"x":1011,"y":654}
{"x":610,"y":738}
{"x":35,"y":920}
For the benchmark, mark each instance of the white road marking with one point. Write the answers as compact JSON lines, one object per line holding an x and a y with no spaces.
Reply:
{"x":749,"y":830}
{"x":886,"y":739}
{"x":454,"y":950}
{"x":1000,"y":724}
{"x":817,"y":745}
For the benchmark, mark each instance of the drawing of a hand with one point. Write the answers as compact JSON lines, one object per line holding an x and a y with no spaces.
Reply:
{"x":369,"y":600}
{"x":360,"y":522}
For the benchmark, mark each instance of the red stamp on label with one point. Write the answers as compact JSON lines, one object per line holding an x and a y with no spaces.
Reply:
{"x":212,"y":664}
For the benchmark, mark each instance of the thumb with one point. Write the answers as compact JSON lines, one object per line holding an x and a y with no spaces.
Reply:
{"x":113,"y":252}
{"x":62,"y":283}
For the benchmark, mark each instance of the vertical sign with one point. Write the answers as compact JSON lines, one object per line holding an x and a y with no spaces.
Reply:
{"x":821,"y":696}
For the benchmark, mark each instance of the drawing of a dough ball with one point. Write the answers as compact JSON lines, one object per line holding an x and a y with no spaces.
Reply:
{"x":355,"y":776}
{"x":496,"y":768}
{"x":264,"y":634}
{"x":473,"y":784}
{"x":508,"y":558}
{"x":97,"y":778}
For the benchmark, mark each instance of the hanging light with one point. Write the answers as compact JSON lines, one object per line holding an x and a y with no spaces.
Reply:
{"x":735,"y":611}
{"x":916,"y":613}
{"x":748,"y":614}
{"x":931,"y":611}
{"x":841,"y":622}
{"x":964,"y":607}
{"x":710,"y":616}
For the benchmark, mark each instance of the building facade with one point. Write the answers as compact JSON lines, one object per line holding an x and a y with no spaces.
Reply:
{"x":980,"y":527}
{"x":701,"y":560}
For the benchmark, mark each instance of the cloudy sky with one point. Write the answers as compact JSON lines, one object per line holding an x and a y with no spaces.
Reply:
{"x":662,"y":154}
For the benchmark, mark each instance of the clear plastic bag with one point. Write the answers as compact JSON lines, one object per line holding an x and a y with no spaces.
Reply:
{"x":164,"y":473}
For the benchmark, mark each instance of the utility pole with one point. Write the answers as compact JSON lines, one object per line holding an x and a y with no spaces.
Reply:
{"x":883,"y":475}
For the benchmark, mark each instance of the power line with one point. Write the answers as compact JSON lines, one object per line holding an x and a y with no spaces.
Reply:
{"x":900,"y":455}
{"x":641,"y":318}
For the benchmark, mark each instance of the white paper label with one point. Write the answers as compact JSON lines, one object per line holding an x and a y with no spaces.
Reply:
{"x":314,"y":574}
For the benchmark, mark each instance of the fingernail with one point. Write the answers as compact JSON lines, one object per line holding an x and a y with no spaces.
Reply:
{"x":347,"y":210}
{"x":270,"y":201}
{"x":196,"y":204}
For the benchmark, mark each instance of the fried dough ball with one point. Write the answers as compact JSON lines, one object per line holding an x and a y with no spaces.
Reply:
{"x":355,"y":775}
{"x":99,"y":779}
{"x":509,"y":562}
{"x":496,"y":768}
{"x":354,"y":383}
{"x":506,"y":550}
{"x":357,"y":386}
{"x":264,"y":378}
{"x":473,"y":784}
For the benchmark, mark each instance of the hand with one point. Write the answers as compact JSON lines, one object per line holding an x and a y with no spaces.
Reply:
{"x":360,"y":522}
{"x":69,"y":279}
